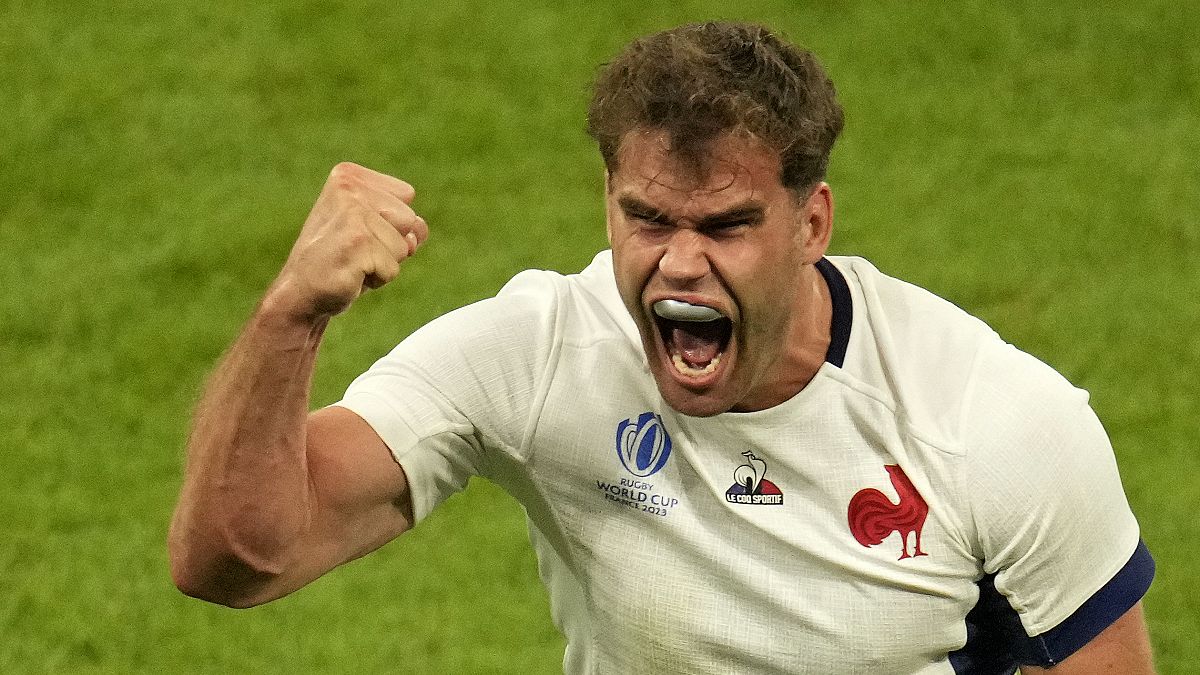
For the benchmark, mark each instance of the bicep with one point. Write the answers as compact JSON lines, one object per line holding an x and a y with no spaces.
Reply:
{"x":361,"y":496}
{"x":358,"y":494}
{"x":1123,"y":647}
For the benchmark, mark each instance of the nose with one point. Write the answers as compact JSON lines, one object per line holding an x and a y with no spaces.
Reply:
{"x":684,"y":259}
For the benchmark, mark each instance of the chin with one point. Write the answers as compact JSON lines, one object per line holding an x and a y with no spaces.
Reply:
{"x":691,"y":403}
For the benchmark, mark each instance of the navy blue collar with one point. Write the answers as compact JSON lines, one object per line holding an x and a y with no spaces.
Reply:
{"x":843,"y":312}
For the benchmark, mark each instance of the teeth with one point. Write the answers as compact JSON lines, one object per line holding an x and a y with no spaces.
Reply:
{"x":683,"y":367}
{"x":677,"y":310}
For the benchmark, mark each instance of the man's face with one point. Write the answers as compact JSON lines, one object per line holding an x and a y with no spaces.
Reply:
{"x":734,"y":240}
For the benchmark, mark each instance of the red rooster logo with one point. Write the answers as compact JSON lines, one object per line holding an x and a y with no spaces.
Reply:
{"x":873,"y":516}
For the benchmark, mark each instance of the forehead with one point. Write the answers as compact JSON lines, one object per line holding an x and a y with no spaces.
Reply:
{"x":735,"y":169}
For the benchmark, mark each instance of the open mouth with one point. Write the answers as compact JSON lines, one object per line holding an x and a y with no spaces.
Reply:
{"x":695,"y":336}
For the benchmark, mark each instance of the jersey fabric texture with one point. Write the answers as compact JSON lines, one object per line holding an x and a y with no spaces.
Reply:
{"x":933,"y":501}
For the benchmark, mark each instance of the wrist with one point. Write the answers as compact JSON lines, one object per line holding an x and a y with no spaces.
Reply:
{"x":281,"y":308}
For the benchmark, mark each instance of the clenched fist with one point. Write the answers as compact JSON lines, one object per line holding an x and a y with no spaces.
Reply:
{"x":357,"y":234}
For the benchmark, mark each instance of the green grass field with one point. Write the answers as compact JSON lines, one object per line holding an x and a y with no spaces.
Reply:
{"x":1036,"y":166}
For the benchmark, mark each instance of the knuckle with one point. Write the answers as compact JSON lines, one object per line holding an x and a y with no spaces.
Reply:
{"x":347,"y":285}
{"x":342,"y":258}
{"x":344,"y":174}
{"x":357,"y":239}
{"x":344,"y":168}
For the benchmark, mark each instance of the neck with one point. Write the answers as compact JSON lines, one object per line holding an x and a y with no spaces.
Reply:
{"x":806,"y":350}
{"x":807,"y":346}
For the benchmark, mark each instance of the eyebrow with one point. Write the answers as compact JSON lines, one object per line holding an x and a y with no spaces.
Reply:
{"x":746,"y":211}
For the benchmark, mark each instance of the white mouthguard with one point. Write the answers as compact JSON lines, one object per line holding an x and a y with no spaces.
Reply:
{"x":677,"y":310}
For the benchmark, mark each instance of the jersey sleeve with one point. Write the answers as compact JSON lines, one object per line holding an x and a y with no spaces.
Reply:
{"x":1060,"y":548}
{"x":461,"y":388}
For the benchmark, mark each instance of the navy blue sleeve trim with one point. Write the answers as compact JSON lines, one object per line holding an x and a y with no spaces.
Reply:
{"x":1100,"y":611}
{"x":843,"y":312}
{"x":996,"y":641}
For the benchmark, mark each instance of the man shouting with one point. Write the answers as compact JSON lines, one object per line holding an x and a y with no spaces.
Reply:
{"x":736,"y":454}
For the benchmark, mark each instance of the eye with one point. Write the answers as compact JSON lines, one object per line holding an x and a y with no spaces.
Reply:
{"x":644,"y":217}
{"x":652,"y":224}
{"x":727,"y":228}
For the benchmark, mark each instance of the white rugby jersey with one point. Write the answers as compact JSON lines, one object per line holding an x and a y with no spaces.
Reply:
{"x":934,"y":501}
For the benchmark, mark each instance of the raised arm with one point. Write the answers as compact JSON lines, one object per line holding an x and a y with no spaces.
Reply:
{"x":274,"y":496}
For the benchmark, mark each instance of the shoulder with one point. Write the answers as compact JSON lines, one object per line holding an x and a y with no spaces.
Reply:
{"x":1019,"y":391}
{"x":954,"y":379}
{"x":1029,"y":433}
{"x":592,"y":307}
{"x":949,"y":377}
{"x":912,"y":350}
{"x":534,"y":305}
{"x":584,"y":304}
{"x":899,"y":302}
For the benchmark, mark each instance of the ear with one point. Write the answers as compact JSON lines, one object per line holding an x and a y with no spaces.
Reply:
{"x":817,"y":225}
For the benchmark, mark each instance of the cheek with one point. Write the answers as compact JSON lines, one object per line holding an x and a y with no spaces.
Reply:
{"x":622,"y":239}
{"x":750,"y":269}
{"x":635,"y":259}
{"x":631,"y":273}
{"x":761,"y":282}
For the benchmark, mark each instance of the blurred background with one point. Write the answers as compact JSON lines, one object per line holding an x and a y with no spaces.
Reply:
{"x":1035,"y":163}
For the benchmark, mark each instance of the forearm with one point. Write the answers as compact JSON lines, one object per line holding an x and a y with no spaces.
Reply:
{"x":246,"y":496}
{"x":249,"y":526}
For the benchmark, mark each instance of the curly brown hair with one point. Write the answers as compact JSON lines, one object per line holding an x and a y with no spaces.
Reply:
{"x":699,"y":81}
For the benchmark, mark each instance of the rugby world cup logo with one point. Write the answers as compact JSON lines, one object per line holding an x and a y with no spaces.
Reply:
{"x":643,"y":444}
